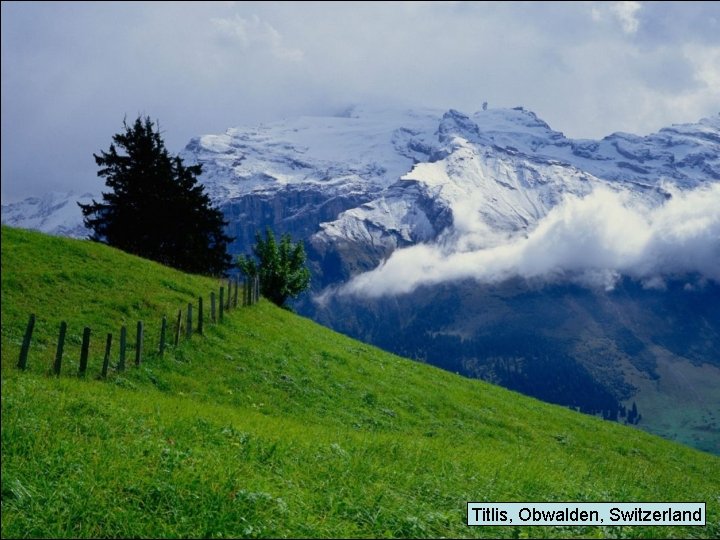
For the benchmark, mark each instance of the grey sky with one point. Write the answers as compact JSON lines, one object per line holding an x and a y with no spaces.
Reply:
{"x":71,"y":71}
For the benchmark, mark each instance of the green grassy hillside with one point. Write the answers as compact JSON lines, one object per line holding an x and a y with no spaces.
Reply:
{"x":271,"y":425}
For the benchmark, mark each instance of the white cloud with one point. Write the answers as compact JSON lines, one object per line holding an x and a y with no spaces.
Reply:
{"x":251,"y":32}
{"x":706,"y":61}
{"x":626,"y":14}
{"x":592,"y":240}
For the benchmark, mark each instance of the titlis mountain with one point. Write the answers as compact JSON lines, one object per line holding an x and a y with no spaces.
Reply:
{"x":405,"y":213}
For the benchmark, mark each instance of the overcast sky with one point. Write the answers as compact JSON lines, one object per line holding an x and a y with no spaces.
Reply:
{"x":72,"y":71}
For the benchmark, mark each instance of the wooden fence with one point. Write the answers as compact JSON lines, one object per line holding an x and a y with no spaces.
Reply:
{"x":250,"y":296}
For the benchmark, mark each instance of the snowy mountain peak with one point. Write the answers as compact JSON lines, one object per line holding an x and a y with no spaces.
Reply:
{"x":54,"y":212}
{"x":503,"y":127}
{"x":456,"y":124}
{"x":500,"y":172}
{"x":388,"y":177}
{"x":706,"y":128}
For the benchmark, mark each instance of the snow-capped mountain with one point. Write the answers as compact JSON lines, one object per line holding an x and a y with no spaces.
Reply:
{"x":387,"y":178}
{"x":504,"y":170}
{"x":295,"y":174}
{"x":54,"y":213}
{"x":353,"y":150}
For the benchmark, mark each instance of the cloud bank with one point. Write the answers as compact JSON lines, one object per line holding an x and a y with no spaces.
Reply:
{"x":593,"y":240}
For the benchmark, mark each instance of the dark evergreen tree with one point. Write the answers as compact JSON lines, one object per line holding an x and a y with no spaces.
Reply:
{"x":632,"y":417}
{"x":156,"y":208}
{"x":281,"y":267}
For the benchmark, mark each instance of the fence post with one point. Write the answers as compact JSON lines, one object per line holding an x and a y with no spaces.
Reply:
{"x":22,"y":362}
{"x":229,"y":294}
{"x":163,"y":329}
{"x":212,"y":306}
{"x":84,"y":352}
{"x":188,"y":327}
{"x":221,"y":304}
{"x":60,"y":347}
{"x":123,"y":344}
{"x":177,"y":327}
{"x":200,"y":315}
{"x":139,"y":343}
{"x":106,"y":359}
{"x":235,"y":297}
